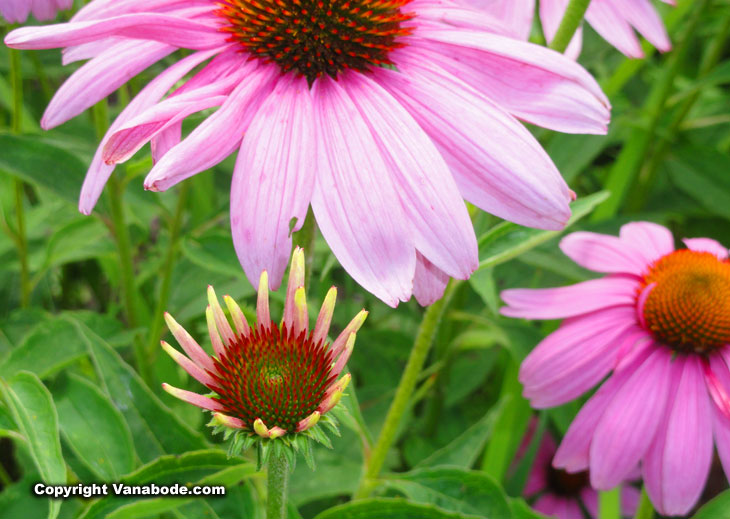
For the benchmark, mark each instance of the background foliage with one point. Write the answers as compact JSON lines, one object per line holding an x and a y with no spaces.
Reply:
{"x":75,"y":409}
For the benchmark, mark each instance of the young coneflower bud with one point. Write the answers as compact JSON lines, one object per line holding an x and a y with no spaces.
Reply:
{"x":272,"y":384}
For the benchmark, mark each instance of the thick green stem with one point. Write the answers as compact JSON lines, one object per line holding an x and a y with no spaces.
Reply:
{"x":278,"y":481}
{"x":572,"y":19}
{"x":645,"y":510}
{"x":120,"y":233}
{"x":609,"y":504}
{"x":21,"y":240}
{"x":626,"y":167}
{"x":421,"y":346}
{"x":164,"y":295}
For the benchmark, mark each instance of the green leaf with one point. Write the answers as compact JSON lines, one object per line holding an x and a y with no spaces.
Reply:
{"x":32,"y":408}
{"x":508,"y":240}
{"x":94,"y":429}
{"x":155,"y":428}
{"x":702,"y":173}
{"x":50,"y":346}
{"x":465,"y":449}
{"x":453,"y":489}
{"x":521,"y":510}
{"x":205,"y":467}
{"x":214,"y":252}
{"x":384,"y":508}
{"x":35,"y":159}
{"x":717,"y":508}
{"x":80,"y":239}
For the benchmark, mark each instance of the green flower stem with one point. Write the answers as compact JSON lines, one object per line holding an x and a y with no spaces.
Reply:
{"x":572,"y":19}
{"x":637,"y":147}
{"x":645,"y":510}
{"x":609,"y":504}
{"x":21,"y":240}
{"x":278,"y":481}
{"x":120,"y":233}
{"x":164,"y":295}
{"x":714,"y":53}
{"x":422,"y":345}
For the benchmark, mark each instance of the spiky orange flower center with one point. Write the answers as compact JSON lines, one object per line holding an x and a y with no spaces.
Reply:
{"x":275,"y":376}
{"x":316,"y":37}
{"x":689,"y":308}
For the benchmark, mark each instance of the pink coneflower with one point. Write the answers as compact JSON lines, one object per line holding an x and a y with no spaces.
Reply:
{"x":565,"y":495}
{"x":383,"y":155}
{"x":269,"y":381}
{"x":659,"y":325}
{"x":17,"y":11}
{"x":615,"y":20}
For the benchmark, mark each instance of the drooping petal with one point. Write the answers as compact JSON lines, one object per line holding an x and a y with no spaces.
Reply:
{"x":516,"y":15}
{"x":355,"y":200}
{"x":707,"y":245}
{"x":603,"y":253}
{"x":193,"y":398}
{"x":569,"y":301}
{"x":629,"y":424}
{"x":551,"y":14}
{"x":191,"y":347}
{"x":193,"y":369}
{"x":507,"y":174}
{"x":429,"y":282}
{"x":687,"y":449}
{"x":15,"y":11}
{"x":273,"y":180}
{"x":440,"y":224}
{"x":612,"y":24}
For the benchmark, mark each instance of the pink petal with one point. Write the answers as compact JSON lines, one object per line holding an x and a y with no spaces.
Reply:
{"x":651,"y":240}
{"x":219,"y":135}
{"x":429,"y":282}
{"x":603,"y":253}
{"x":677,"y":465}
{"x":15,"y":11}
{"x":509,"y":174}
{"x":513,"y":18}
{"x":171,"y":30}
{"x":629,"y":424}
{"x":574,"y":450}
{"x":707,"y":245}
{"x":546,"y":504}
{"x":630,"y":497}
{"x":273,"y":180}
{"x":194,"y":398}
{"x":529,"y":81}
{"x":567,"y":508}
{"x":644,"y":17}
{"x":551,"y":14}
{"x":442,"y":229}
{"x":99,"y":172}
{"x":611,"y":23}
{"x":355,"y":199}
{"x":582,"y":298}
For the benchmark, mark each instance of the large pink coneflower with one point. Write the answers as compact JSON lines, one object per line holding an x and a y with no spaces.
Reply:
{"x":380,"y":114}
{"x":268,"y":380}
{"x":566,"y":495}
{"x":17,"y":11}
{"x":659,"y":325}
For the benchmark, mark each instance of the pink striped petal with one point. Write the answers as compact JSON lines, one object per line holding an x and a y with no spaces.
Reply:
{"x":612,"y":24}
{"x":194,"y":398}
{"x":515,"y":15}
{"x":533,"y":83}
{"x":324,"y":319}
{"x":603,"y":253}
{"x":440,"y":223}
{"x":509,"y":174}
{"x":15,"y":11}
{"x":681,"y":465}
{"x":429,"y":282}
{"x":582,"y":298}
{"x":574,"y":451}
{"x":188,"y":365}
{"x":188,"y":344}
{"x":629,"y":424}
{"x":651,"y":240}
{"x":707,"y":245}
{"x":273,"y":180}
{"x":366,"y":233}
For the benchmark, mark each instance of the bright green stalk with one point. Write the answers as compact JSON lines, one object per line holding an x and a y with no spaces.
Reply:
{"x":21,"y":240}
{"x":278,"y":481}
{"x":636,"y":148}
{"x":120,"y":233}
{"x":609,"y":504}
{"x":164,"y":295}
{"x":572,"y":19}
{"x":421,"y":346}
{"x":645,"y":510}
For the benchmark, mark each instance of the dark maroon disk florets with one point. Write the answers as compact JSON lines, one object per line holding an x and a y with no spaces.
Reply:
{"x":316,"y":37}
{"x":564,"y":483}
{"x":274,"y":376}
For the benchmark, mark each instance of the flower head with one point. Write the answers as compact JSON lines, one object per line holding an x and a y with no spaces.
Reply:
{"x":659,"y":325}
{"x":381,"y":115}
{"x":17,"y":11}
{"x":269,"y":381}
